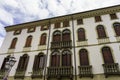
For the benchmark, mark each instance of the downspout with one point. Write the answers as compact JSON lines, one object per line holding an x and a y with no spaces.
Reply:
{"x":47,"y":50}
{"x":74,"y":47}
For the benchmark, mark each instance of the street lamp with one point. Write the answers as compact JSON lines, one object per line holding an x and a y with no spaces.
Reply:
{"x":8,"y":66}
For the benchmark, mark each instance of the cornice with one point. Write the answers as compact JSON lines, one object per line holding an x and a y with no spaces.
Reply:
{"x":86,"y":14}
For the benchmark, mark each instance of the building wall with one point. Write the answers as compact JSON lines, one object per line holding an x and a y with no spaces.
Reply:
{"x":93,"y":47}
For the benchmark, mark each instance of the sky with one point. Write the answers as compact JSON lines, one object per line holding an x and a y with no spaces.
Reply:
{"x":20,"y":11}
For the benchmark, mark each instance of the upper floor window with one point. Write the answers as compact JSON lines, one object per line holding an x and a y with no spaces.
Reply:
{"x":57,"y":36}
{"x":101,"y":31}
{"x":63,"y":59}
{"x":31,"y":29}
{"x":66,"y":58}
{"x":98,"y":18}
{"x":23,"y":62}
{"x":43,"y":39}
{"x":16,"y":32}
{"x":44,"y":27}
{"x":13,"y":43}
{"x":79,"y":21}
{"x":81,"y":34}
{"x":117,"y":28}
{"x":83,"y":57}
{"x":6,"y":59}
{"x":66,"y":35}
{"x":39,"y":61}
{"x":55,"y":59}
{"x":107,"y":55}
{"x":28,"y":41}
{"x":113,"y":16}
{"x":66,"y":23}
{"x":57,"y":25}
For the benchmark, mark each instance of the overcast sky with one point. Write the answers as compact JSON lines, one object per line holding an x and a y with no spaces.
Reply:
{"x":21,"y":11}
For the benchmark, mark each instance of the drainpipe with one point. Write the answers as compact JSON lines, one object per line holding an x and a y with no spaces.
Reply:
{"x":74,"y":47}
{"x":47,"y":50}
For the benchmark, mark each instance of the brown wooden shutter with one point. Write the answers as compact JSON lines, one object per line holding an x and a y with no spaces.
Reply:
{"x":113,"y":16}
{"x":98,"y":18}
{"x":20,"y":63}
{"x":66,"y":23}
{"x":83,"y":57}
{"x":13,"y":44}
{"x":101,"y":32}
{"x":28,"y":41}
{"x":57,"y":25}
{"x":35,"y":62}
{"x":107,"y":55}
{"x":26,"y":62}
{"x":79,"y":21}
{"x":81,"y":34}
{"x":117,"y":28}
{"x":68,"y":59}
{"x":4,"y":63}
{"x":43,"y":39}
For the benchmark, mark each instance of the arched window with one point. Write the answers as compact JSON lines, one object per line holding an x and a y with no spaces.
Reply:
{"x":39,"y":61}
{"x":43,"y":39}
{"x":107,"y":55}
{"x":6,"y":59}
{"x":13,"y":44}
{"x":117,"y":28}
{"x":57,"y":36}
{"x":101,"y":31}
{"x":55,"y":59}
{"x":66,"y":58}
{"x":66,"y":35}
{"x":81,"y":34}
{"x":83,"y":57}
{"x":23,"y":62}
{"x":28,"y":41}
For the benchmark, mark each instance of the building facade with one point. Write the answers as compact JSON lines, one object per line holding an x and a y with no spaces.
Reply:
{"x":81,"y":46}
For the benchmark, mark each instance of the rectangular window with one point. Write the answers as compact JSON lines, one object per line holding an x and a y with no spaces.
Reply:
{"x":57,"y":25}
{"x":44,"y":27}
{"x":98,"y":18}
{"x":79,"y":21}
{"x":66,"y":23}
{"x":113,"y":16}
{"x":32,"y":29}
{"x":16,"y":32}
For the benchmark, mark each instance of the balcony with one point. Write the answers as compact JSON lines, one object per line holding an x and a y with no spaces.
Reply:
{"x":19,"y":74}
{"x":2,"y":74}
{"x":103,"y":40}
{"x":111,"y":69}
{"x":37,"y":73}
{"x":61,"y":44}
{"x":85,"y":71}
{"x":59,"y":72}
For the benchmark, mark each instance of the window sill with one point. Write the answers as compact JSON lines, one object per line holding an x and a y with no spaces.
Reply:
{"x":41,"y":47}
{"x":26,"y":48}
{"x":10,"y":50}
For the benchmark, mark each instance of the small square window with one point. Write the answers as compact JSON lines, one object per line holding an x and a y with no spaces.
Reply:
{"x":44,"y":27}
{"x":57,"y":25}
{"x":16,"y":32}
{"x":98,"y":18}
{"x":32,"y":29}
{"x":79,"y":21}
{"x":113,"y":16}
{"x":66,"y":23}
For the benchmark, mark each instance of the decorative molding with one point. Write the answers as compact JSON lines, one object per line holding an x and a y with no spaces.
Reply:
{"x":86,"y":14}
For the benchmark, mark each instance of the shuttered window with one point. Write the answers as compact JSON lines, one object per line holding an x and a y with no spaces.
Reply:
{"x":117,"y":28}
{"x":28,"y":41}
{"x":23,"y":62}
{"x":66,"y":23}
{"x":43,"y":39}
{"x":57,"y":25}
{"x":81,"y":34}
{"x":66,"y":35}
{"x":83,"y":57}
{"x":57,"y":36}
{"x":113,"y":16}
{"x":79,"y":21}
{"x":6,"y":59}
{"x":13,"y":43}
{"x":98,"y":18}
{"x":101,"y":31}
{"x":107,"y":55}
